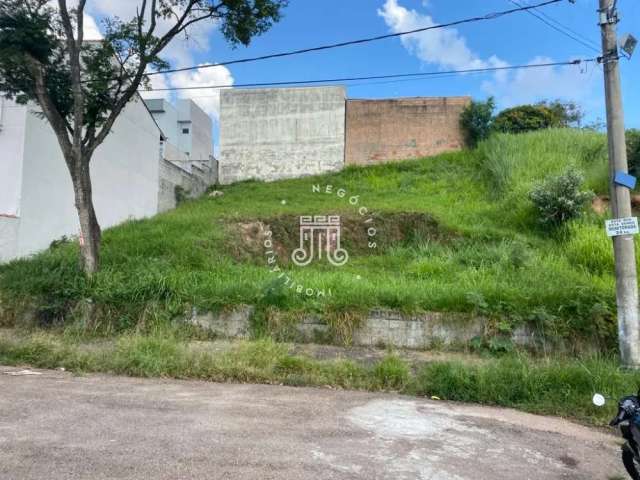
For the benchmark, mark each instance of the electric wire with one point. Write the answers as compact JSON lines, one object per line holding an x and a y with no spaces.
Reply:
{"x":563,"y":29}
{"x":375,"y":77}
{"x":489,"y":16}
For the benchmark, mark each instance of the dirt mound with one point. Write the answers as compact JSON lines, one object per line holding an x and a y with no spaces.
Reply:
{"x":600,"y":204}
{"x":358,"y":235}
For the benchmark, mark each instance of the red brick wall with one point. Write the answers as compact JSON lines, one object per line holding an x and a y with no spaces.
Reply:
{"x":385,"y":130}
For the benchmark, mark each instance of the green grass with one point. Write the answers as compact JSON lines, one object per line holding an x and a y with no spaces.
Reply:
{"x":487,"y":253}
{"x":547,"y":386}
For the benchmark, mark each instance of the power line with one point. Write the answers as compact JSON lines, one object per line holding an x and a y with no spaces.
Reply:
{"x":376,"y":77}
{"x":559,"y":27}
{"x":489,"y":16}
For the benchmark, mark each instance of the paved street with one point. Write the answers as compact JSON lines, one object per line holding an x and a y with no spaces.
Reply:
{"x":58,"y":426}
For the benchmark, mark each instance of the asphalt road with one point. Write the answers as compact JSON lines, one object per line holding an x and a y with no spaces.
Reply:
{"x":58,"y":426}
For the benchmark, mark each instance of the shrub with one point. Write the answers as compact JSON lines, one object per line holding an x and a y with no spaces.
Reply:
{"x":559,"y":198}
{"x":633,"y":151}
{"x":476,"y":120}
{"x":525,"y":118}
{"x":568,"y":114}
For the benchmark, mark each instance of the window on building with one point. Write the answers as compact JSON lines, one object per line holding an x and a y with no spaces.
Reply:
{"x":185,"y":130}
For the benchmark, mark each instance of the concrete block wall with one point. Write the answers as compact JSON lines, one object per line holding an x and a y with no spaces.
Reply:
{"x":380,"y":327}
{"x":270,"y":134}
{"x":404,"y":128}
{"x":193,"y":182}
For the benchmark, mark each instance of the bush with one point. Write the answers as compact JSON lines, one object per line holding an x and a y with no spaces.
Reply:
{"x":560,"y":199}
{"x":476,"y":120}
{"x":526,"y":118}
{"x":568,"y":114}
{"x":633,"y":151}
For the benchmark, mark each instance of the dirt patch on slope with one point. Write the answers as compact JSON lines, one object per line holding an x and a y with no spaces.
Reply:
{"x":374,"y":234}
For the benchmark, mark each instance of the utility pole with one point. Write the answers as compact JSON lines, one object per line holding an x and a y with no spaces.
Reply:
{"x":624,"y":251}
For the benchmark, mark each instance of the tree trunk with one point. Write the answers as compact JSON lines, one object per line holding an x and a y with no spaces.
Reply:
{"x":90,"y":234}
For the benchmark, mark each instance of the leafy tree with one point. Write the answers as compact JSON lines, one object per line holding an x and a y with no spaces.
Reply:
{"x":82,"y":87}
{"x":476,"y":120}
{"x":567,"y":113}
{"x":525,"y":118}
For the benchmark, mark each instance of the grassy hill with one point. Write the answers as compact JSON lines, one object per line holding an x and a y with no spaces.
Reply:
{"x":455,"y":232}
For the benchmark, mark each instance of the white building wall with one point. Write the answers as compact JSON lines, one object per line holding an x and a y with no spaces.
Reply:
{"x":200,"y":136}
{"x":12,"y":138}
{"x":8,"y":238}
{"x":124,"y":171}
{"x":166,"y":116}
{"x":185,"y":116}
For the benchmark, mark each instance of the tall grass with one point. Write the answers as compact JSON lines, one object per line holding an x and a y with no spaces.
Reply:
{"x":550,"y":385}
{"x":160,"y":268}
{"x":514,"y":163}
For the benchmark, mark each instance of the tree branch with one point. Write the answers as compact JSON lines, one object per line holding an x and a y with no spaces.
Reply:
{"x":140,"y":17}
{"x":173,"y":31}
{"x":74,"y":64}
{"x":80,"y":23}
{"x":56,"y":120}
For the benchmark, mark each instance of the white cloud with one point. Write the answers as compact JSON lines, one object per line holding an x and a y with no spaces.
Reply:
{"x":157,"y":81}
{"x":534,"y":84}
{"x":207,"y":99}
{"x":443,"y":46}
{"x":180,"y":50}
{"x":448,"y":49}
{"x":90,"y":28}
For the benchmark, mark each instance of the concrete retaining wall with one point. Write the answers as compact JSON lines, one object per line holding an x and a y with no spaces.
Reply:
{"x":194,"y":183}
{"x":378,"y":329}
{"x":270,"y":134}
{"x":405,"y":128}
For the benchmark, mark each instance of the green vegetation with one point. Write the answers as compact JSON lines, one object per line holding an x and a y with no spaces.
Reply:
{"x":473,"y":244}
{"x":548,"y":386}
{"x":479,"y":123}
{"x":476,"y":120}
{"x":559,"y":198}
{"x":525,"y":118}
{"x":457,"y":232}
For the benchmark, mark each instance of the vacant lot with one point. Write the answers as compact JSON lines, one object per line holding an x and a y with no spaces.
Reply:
{"x":454,"y":233}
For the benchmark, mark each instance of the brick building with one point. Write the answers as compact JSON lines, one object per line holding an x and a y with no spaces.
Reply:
{"x":404,"y":128}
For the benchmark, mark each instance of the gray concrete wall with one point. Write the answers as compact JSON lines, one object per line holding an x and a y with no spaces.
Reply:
{"x":270,"y":134}
{"x":194,"y":182}
{"x":379,"y":328}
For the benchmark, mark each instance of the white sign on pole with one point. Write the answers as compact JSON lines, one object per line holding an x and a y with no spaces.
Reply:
{"x":622,"y":226}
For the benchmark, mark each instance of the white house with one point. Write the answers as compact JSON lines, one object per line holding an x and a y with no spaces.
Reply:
{"x":127,"y":170}
{"x":187,"y":128}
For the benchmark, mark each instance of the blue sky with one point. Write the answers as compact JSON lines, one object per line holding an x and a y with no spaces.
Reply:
{"x":517,"y":39}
